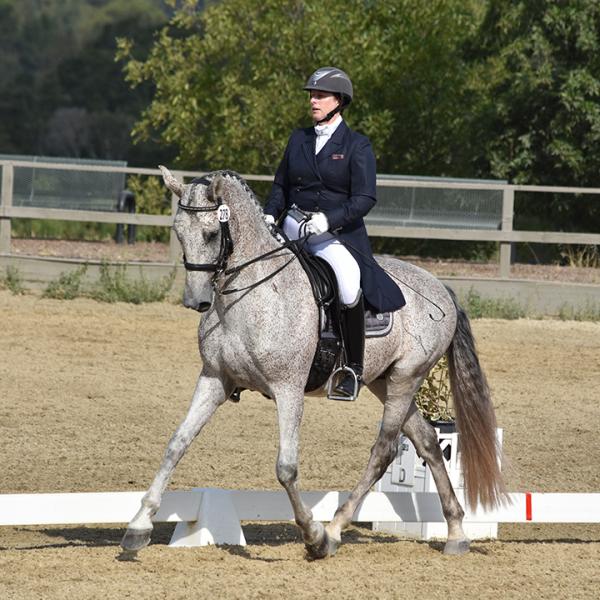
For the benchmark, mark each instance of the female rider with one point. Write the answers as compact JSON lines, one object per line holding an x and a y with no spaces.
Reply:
{"x":324,"y":186}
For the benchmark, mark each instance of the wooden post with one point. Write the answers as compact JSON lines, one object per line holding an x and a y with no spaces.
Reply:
{"x":508,"y":209}
{"x":174,"y":247}
{"x":6,"y":202}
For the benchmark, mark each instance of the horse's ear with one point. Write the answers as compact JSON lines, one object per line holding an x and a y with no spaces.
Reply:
{"x":175,"y":186}
{"x":215,"y":189}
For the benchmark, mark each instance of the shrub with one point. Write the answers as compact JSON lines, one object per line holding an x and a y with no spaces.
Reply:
{"x":150,"y":197}
{"x":580,"y":256}
{"x":115,"y":287}
{"x":13,"y":281}
{"x":62,"y":230}
{"x":482,"y":308}
{"x":590,"y":312}
{"x":433,"y":397}
{"x":67,"y":286}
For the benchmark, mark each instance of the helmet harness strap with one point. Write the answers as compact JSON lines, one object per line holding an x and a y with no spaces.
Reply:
{"x":330,"y":114}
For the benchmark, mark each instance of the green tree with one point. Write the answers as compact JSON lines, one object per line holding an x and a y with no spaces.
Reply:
{"x":61,"y":92}
{"x":228,"y":80}
{"x":541,"y":75}
{"x":539,"y":86}
{"x":94,"y":98}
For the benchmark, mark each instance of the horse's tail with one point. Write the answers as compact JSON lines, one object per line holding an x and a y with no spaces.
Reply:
{"x":475,"y":418}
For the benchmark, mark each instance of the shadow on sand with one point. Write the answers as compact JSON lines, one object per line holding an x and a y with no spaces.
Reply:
{"x":256,"y":534}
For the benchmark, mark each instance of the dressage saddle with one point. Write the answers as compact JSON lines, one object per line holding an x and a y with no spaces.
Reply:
{"x":328,"y":353}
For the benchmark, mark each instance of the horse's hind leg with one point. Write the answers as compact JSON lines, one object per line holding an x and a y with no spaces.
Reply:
{"x":425,"y":441}
{"x":208,"y":396}
{"x":401,"y":387}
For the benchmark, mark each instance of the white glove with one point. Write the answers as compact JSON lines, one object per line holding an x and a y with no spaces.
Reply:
{"x":269,"y":219}
{"x":318,"y":224}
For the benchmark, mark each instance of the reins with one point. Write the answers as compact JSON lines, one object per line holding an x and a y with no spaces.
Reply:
{"x":238,"y":268}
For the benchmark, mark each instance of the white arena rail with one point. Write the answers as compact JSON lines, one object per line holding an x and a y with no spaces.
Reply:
{"x":212,"y":516}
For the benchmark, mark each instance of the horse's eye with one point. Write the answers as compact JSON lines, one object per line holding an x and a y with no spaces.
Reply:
{"x":210,"y":236}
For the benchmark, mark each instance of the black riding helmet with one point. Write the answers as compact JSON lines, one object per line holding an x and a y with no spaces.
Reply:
{"x":334,"y":81}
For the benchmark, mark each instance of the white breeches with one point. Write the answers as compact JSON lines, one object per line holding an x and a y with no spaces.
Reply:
{"x":329,"y":248}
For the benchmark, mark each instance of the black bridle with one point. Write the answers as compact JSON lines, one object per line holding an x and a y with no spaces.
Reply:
{"x":226,"y":244}
{"x":226,"y":241}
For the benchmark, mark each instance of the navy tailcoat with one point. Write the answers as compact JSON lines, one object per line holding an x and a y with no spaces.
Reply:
{"x":340,"y":182}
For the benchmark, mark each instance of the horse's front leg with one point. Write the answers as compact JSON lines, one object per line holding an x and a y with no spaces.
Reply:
{"x":208,"y":396}
{"x":290,"y":407}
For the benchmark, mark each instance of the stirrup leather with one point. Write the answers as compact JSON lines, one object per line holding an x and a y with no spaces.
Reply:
{"x":333,"y":379}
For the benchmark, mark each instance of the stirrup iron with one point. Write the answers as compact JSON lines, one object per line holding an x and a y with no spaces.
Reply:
{"x":332,"y":395}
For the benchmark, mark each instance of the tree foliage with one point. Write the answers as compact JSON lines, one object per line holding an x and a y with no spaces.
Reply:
{"x":541,"y":90}
{"x":229,"y":80}
{"x":61,"y":92}
{"x":539,"y":110}
{"x":499,"y":88}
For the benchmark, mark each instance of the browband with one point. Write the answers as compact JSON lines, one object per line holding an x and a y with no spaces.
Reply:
{"x":195,"y":182}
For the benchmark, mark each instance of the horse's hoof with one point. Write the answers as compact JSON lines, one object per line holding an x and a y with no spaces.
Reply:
{"x":319,"y":549}
{"x":135,"y":539}
{"x":333,"y":545}
{"x":127,"y":556}
{"x":455,"y":547}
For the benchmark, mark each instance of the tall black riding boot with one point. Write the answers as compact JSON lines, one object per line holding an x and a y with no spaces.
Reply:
{"x":353,"y":330}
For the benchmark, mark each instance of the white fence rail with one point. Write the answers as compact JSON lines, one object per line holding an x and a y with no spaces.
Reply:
{"x":506,"y":235}
{"x":180,"y":506}
{"x":207,"y":515}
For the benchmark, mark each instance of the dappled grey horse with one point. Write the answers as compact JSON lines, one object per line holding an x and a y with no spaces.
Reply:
{"x":259,"y":331}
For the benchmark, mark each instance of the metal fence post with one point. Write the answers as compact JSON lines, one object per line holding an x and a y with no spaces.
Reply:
{"x":126,"y":203}
{"x":508,"y":209}
{"x":174,"y":247}
{"x":6,"y":201}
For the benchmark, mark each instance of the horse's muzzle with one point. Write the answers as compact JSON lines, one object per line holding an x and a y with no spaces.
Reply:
{"x":196,"y":305}
{"x":198,"y":293}
{"x":200,"y":300}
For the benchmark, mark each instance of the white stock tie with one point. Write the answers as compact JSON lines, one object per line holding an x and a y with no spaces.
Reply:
{"x":323,"y":134}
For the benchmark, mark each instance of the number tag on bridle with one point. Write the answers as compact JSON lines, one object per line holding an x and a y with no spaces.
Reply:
{"x":223,"y":213}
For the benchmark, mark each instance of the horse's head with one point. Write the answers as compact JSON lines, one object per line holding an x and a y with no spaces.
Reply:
{"x":199,"y":225}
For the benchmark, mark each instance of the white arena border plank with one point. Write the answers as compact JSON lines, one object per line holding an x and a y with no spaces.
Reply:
{"x":252,"y":505}
{"x":208,"y":515}
{"x":96,"y":507}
